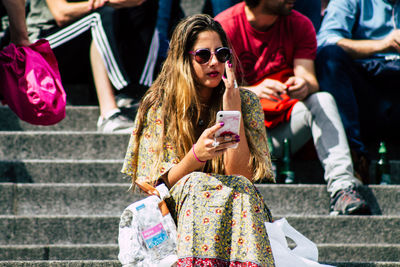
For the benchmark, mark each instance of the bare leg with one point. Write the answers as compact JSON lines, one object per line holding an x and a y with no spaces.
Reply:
{"x":104,"y":89}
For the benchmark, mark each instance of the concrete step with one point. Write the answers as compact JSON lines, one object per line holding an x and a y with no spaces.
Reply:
{"x":62,"y":171}
{"x":111,"y":199}
{"x":66,"y":199}
{"x":116,"y":263}
{"x":77,"y":118}
{"x":76,"y":263}
{"x":59,"y":252}
{"x":302,"y":199}
{"x":64,"y":230}
{"x":62,"y":145}
{"x":108,"y":170}
{"x":358,"y":252}
{"x":311,"y":171}
{"x":327,"y":252}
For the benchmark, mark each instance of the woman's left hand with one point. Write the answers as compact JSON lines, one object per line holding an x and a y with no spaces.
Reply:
{"x":231,"y":98}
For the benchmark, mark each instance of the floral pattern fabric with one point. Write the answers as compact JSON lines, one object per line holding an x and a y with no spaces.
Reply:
{"x":220,"y":218}
{"x":220,"y":221}
{"x":253,"y":119}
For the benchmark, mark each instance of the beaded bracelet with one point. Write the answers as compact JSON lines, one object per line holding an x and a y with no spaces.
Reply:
{"x":199,"y":160}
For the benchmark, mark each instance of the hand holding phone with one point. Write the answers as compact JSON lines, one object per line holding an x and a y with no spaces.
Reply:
{"x":231,"y":120}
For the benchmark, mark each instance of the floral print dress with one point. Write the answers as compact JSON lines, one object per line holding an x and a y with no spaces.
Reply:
{"x":220,"y":218}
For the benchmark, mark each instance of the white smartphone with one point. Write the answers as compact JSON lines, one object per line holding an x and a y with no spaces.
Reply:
{"x":231,"y":120}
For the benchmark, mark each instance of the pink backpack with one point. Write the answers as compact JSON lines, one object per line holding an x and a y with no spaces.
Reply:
{"x":30,"y":83}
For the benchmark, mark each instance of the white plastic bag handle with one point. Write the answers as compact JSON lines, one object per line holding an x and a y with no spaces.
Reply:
{"x":305,"y":247}
{"x":305,"y":254}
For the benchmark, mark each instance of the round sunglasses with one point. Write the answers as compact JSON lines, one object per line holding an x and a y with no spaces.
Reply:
{"x":203,"y":55}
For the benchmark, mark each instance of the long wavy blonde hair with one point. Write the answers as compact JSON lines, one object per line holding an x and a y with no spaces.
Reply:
{"x":174,"y":91}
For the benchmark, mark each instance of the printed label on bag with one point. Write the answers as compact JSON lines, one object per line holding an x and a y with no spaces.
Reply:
{"x":142,"y":206}
{"x":155,"y":235}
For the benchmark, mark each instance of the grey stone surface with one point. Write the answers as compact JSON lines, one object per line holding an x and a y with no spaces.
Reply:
{"x":7,"y":198}
{"x":358,"y":252}
{"x":304,"y":199}
{"x":23,"y":253}
{"x":383,"y":199}
{"x":62,"y":171}
{"x":326,"y":252}
{"x":365,"y":264}
{"x":84,"y":252}
{"x":295,"y":199}
{"x":348,"y":229}
{"x":77,"y":118}
{"x":82,"y":118}
{"x":110,"y":199}
{"x":62,"y":145}
{"x":77,"y":263}
{"x":63,"y":252}
{"x":60,"y":230}
{"x":74,"y":199}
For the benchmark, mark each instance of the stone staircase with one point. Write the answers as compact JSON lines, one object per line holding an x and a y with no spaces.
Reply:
{"x":62,"y":193}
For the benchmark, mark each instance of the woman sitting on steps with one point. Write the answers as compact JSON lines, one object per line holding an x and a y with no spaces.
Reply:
{"x":219,"y":213}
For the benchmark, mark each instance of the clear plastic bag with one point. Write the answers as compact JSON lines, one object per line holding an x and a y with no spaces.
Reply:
{"x":147,"y":234}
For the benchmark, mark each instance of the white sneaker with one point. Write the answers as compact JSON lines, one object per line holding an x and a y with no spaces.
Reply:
{"x":125,"y":101}
{"x":116,"y":123}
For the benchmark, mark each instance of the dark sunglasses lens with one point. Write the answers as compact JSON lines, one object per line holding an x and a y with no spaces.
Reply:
{"x":223,"y":54}
{"x":202,"y":56}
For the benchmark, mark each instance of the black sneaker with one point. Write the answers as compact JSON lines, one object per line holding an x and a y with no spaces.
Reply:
{"x":349,"y":202}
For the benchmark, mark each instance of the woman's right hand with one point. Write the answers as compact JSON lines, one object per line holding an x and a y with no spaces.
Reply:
{"x":208,"y":147}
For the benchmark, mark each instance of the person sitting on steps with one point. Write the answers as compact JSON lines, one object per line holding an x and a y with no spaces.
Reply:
{"x":276,"y":46}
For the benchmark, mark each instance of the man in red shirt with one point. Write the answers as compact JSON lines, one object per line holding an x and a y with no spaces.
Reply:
{"x":276,"y":47}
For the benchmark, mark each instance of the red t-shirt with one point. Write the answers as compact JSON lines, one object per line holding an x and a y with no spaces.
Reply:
{"x":265,"y":53}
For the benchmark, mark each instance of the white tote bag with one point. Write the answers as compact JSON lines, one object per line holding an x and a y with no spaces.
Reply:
{"x":305,"y":254}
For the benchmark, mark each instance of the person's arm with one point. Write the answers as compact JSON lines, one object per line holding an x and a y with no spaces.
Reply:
{"x":338,"y":22}
{"x":366,"y":48}
{"x":65,"y":12}
{"x":304,"y":81}
{"x":125,"y":3}
{"x":196,"y":158}
{"x":236,"y":161}
{"x":267,"y":88}
{"x":299,"y":86}
{"x":16,"y":13}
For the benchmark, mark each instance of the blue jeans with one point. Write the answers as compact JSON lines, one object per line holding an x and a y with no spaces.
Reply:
{"x":366,"y":93}
{"x":162,"y":26}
